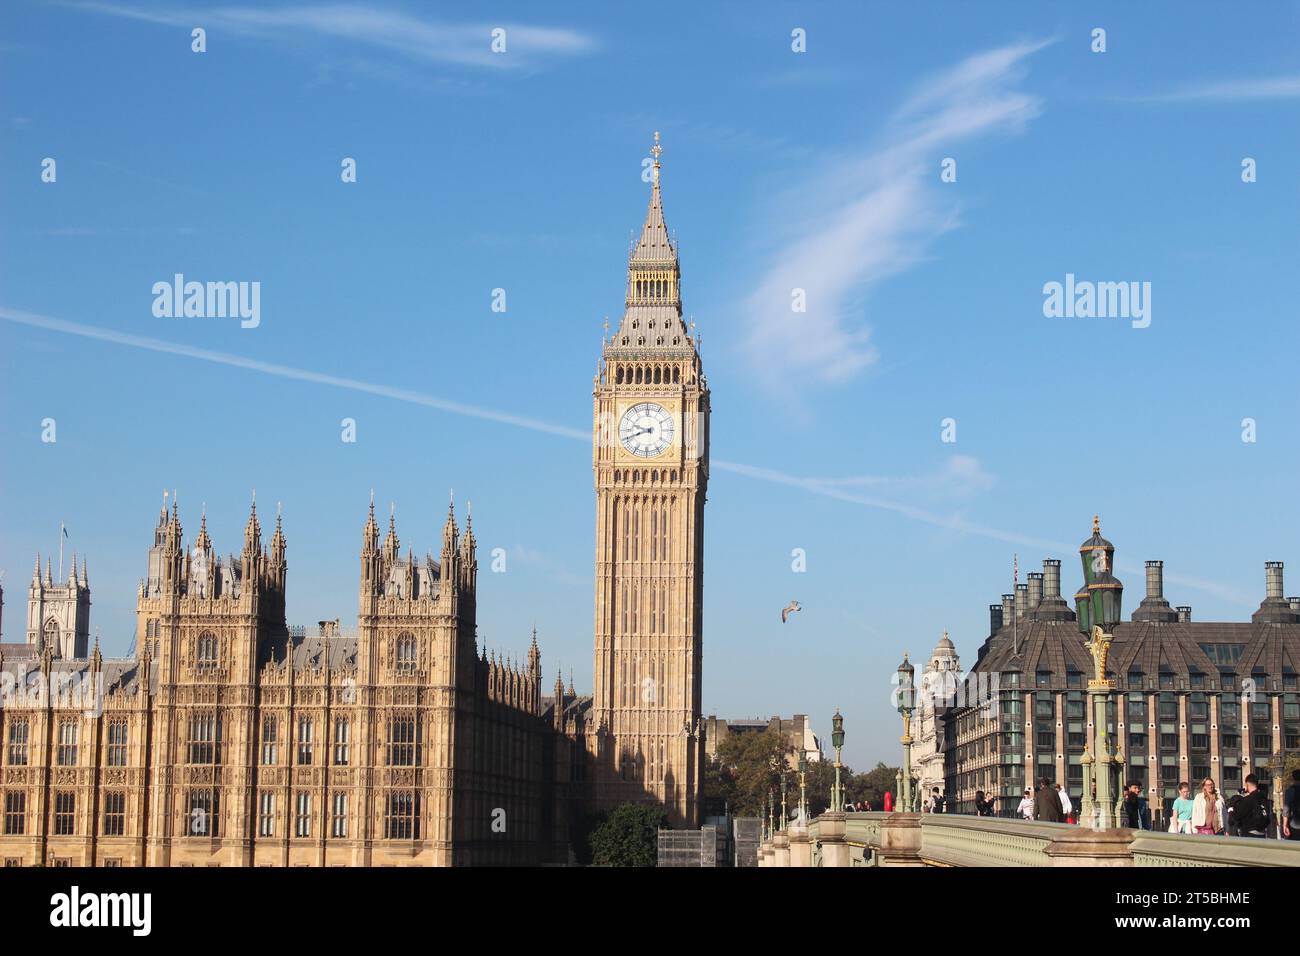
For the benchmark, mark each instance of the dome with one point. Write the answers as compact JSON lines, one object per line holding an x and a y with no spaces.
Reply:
{"x":945,"y":647}
{"x":1096,"y":541}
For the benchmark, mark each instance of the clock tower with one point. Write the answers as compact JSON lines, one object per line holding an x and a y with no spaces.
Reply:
{"x":651,"y":461}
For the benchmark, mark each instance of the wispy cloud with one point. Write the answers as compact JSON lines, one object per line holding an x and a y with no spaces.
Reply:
{"x":385,"y":30}
{"x":837,"y":489}
{"x":859,"y":220}
{"x":1232,"y":91}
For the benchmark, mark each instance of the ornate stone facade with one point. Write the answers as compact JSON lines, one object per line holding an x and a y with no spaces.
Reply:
{"x":937,"y":691}
{"x":650,"y":458}
{"x":230,"y":739}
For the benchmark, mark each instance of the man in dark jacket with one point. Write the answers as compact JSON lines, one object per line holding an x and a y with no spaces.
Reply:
{"x":1133,"y":807}
{"x":1291,"y":808}
{"x":1047,"y":803}
{"x":1252,"y":813}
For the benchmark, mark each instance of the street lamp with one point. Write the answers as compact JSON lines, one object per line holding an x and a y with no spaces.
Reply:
{"x":837,"y":741}
{"x":906,"y":704}
{"x":785,"y":816}
{"x":803,"y":789}
{"x":1277,"y":765}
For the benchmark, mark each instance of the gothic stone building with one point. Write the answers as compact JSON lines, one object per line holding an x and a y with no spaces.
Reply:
{"x":231,"y":739}
{"x":651,"y":465}
{"x":1192,"y":699}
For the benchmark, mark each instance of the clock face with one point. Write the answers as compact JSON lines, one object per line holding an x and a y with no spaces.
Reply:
{"x":646,"y":430}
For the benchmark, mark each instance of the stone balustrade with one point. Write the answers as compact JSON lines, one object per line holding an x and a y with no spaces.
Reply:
{"x":912,"y":839}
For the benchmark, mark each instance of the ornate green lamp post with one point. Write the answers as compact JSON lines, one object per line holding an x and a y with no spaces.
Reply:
{"x":803,"y":787}
{"x":1276,"y":765}
{"x":906,"y":704}
{"x":785,"y":814}
{"x":837,"y":741}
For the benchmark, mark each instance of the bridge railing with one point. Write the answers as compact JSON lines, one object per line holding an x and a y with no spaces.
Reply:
{"x":910,"y":839}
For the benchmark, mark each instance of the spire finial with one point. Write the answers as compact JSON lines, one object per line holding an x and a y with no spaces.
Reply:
{"x":656,"y":149}
{"x":1096,"y":524}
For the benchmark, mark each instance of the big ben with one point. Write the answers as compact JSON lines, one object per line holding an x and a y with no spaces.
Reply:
{"x":651,"y":462}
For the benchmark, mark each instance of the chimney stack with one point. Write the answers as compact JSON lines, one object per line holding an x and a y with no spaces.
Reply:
{"x":1273,"y":579}
{"x":995,"y":618}
{"x":1274,"y":609}
{"x":1154,"y":607}
{"x":1184,"y":614}
{"x":1294,"y":602}
{"x":1050,"y":606}
{"x":1035,"y":590}
{"x":1008,"y":609}
{"x":1022,"y":599}
{"x":1155,"y":579}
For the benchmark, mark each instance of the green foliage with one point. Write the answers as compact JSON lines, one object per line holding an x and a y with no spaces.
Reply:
{"x":719,"y":788}
{"x":627,"y":836}
{"x":750,"y":767}
{"x":871,"y":785}
{"x":818,"y":781}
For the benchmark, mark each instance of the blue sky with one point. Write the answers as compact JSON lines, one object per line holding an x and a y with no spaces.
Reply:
{"x":522,"y":171}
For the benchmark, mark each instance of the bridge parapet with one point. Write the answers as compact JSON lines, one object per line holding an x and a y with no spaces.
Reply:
{"x":911,"y":839}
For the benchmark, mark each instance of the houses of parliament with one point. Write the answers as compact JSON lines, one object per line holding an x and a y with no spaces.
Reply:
{"x":228,"y":737}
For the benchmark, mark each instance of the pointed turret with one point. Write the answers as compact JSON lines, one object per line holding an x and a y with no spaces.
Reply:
{"x":202,"y":543}
{"x":251,"y":557}
{"x":534,"y":658}
{"x":370,"y":533}
{"x":36,"y":572}
{"x":85,"y":576}
{"x":468,"y":550}
{"x":391,"y":543}
{"x":653,"y":313}
{"x":449,"y":559}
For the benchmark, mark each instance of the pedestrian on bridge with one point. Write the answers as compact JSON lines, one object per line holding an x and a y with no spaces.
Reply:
{"x":1026,"y":808}
{"x":1047,"y":803}
{"x":1207,"y":810}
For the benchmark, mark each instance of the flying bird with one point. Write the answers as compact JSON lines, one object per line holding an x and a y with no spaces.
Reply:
{"x":789,"y":609}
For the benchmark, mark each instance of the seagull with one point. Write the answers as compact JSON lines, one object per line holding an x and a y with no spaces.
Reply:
{"x":789,"y":609}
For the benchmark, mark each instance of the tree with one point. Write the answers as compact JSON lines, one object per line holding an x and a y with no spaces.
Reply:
{"x":872,"y":784}
{"x":628,"y":836}
{"x":718,"y":788}
{"x":818,"y":782}
{"x":754,"y":763}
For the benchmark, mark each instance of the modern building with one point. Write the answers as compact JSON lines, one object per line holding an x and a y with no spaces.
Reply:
{"x":1191,"y":699}
{"x":229,"y":738}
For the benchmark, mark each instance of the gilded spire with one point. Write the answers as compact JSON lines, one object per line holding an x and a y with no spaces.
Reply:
{"x":655,"y":247}
{"x":1096,"y":524}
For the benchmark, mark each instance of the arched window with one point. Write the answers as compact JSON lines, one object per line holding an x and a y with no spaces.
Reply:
{"x":52,"y":634}
{"x":205,"y":656}
{"x":406,"y":653}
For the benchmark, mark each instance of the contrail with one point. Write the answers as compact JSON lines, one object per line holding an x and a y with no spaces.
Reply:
{"x":287,"y":371}
{"x":811,"y":485}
